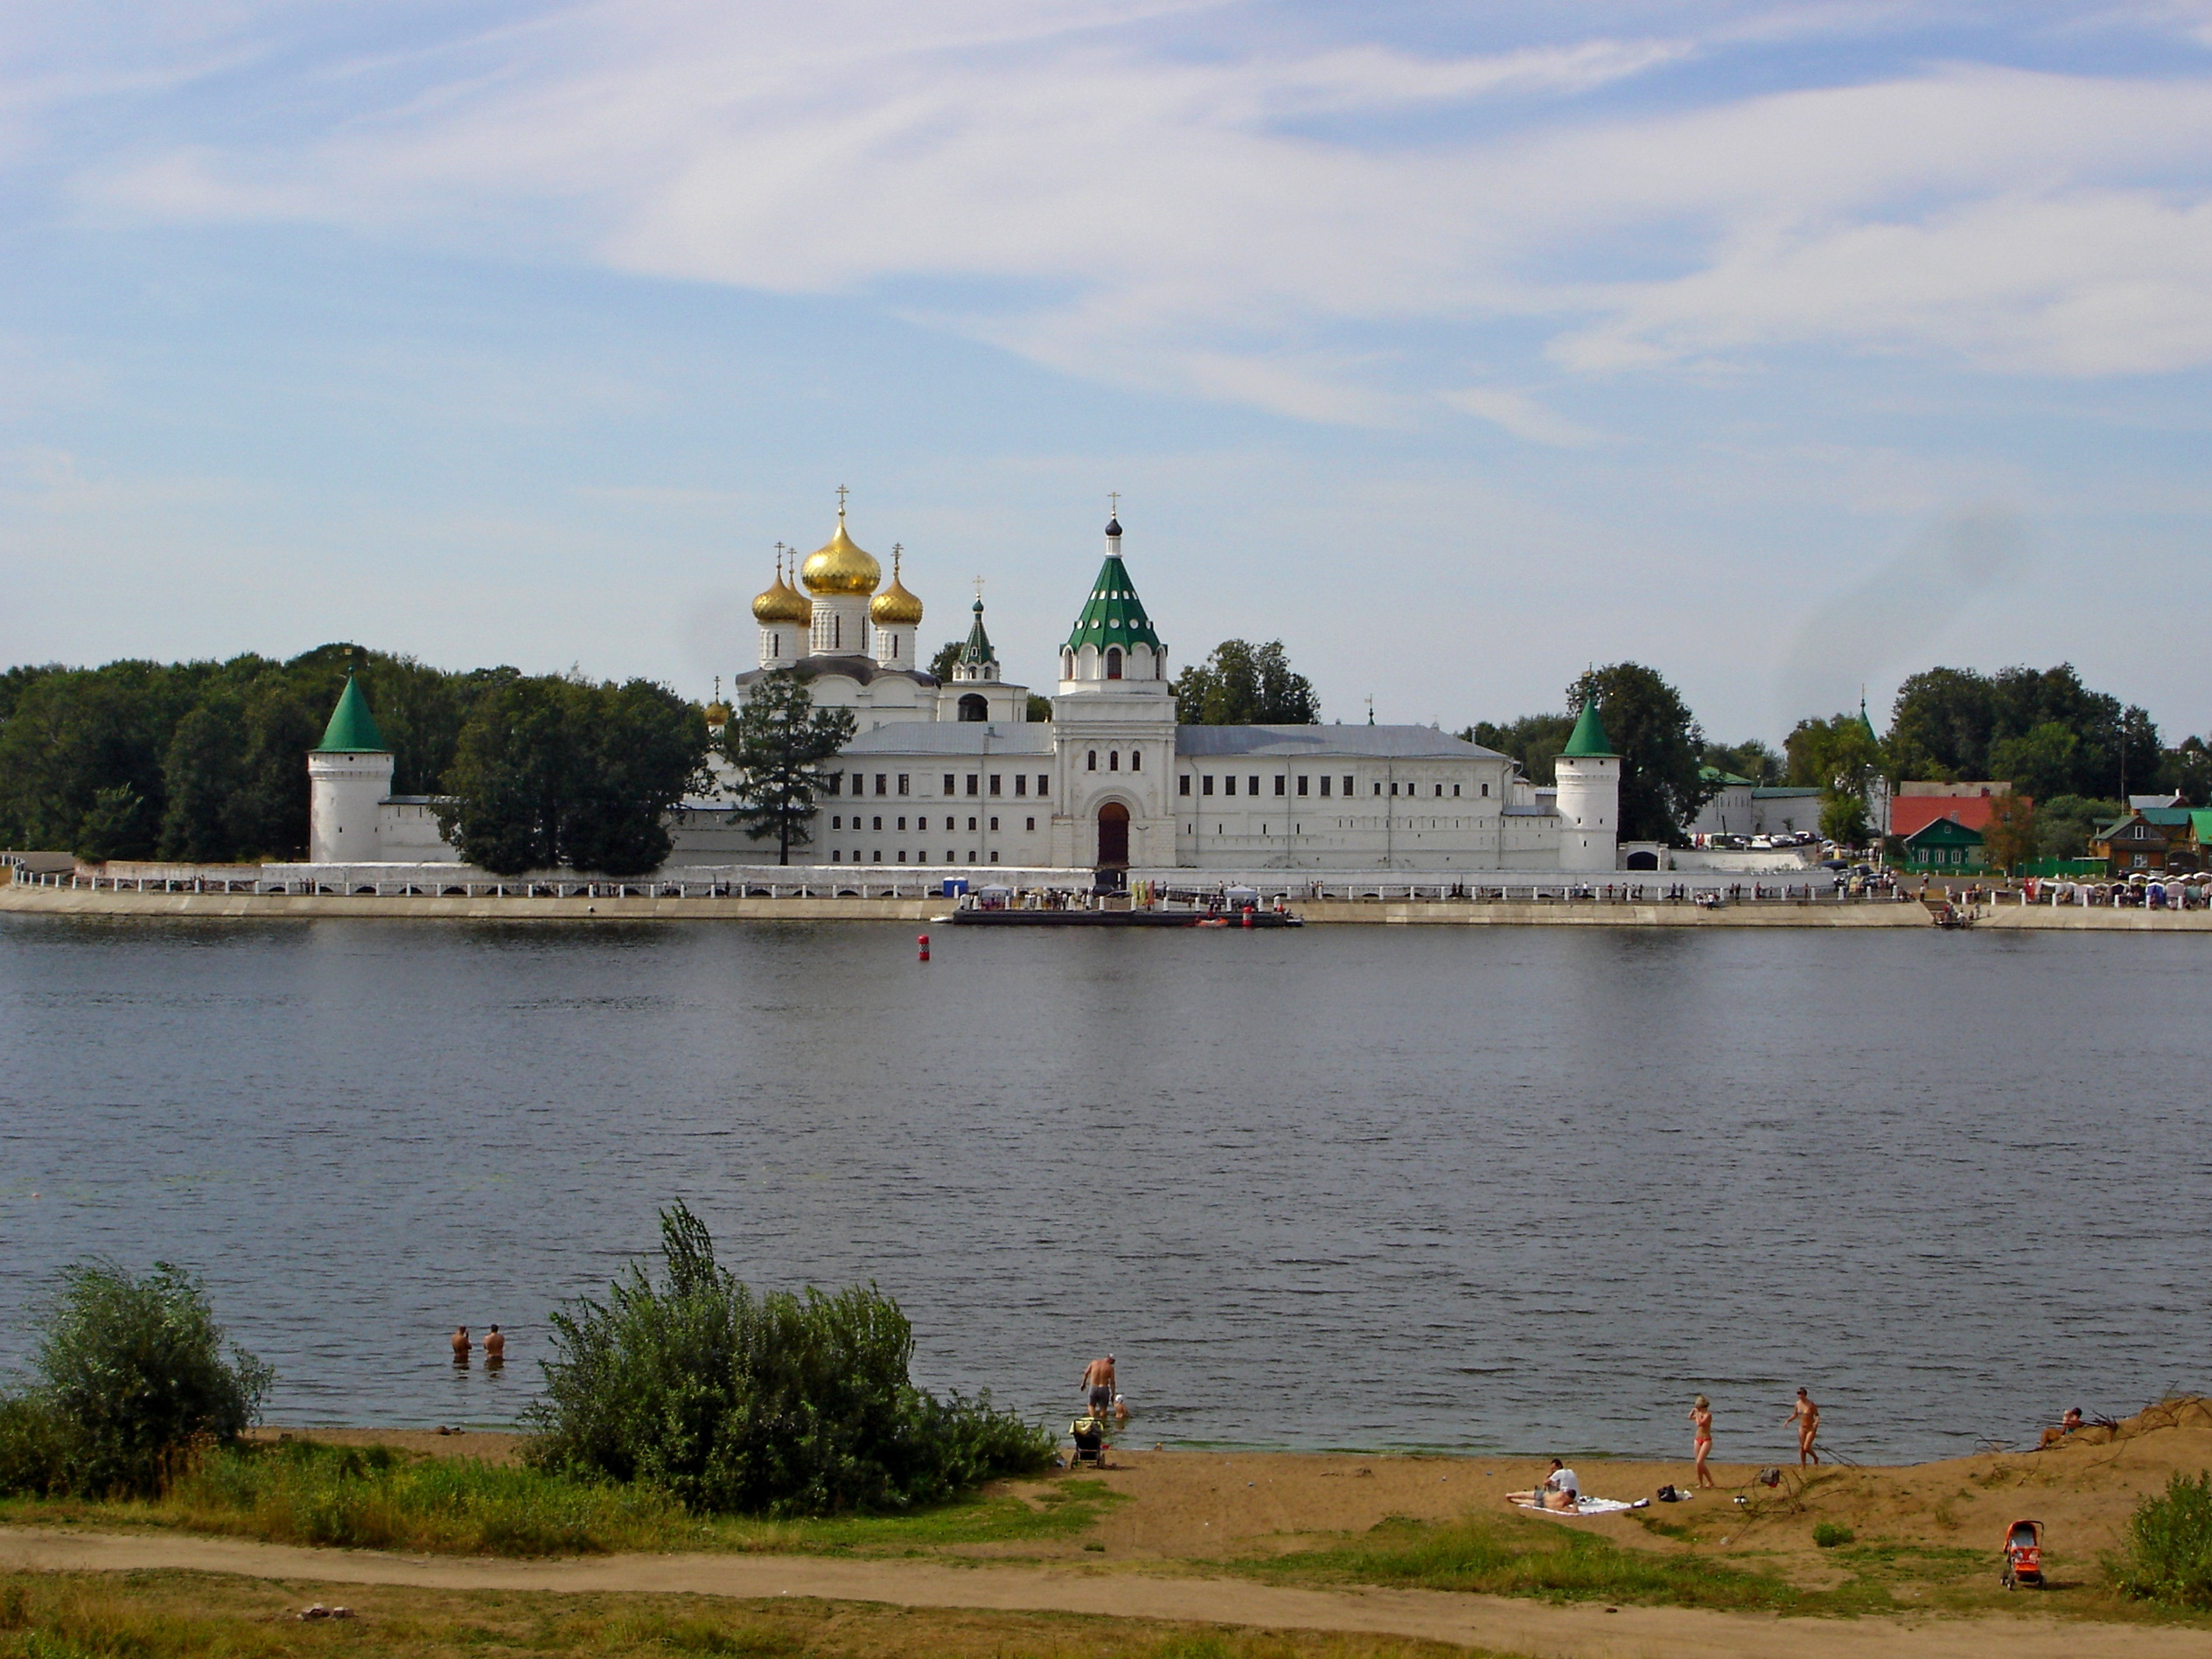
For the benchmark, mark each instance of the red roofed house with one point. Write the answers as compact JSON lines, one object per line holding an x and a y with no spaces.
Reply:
{"x":1917,"y":805}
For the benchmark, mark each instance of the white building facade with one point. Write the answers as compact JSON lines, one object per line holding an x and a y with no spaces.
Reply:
{"x":955,"y":773}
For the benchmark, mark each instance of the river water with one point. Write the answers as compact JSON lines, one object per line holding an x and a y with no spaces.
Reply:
{"x":1489,"y":1188}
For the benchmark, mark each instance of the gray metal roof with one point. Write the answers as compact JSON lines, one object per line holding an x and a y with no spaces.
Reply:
{"x":1327,"y":743}
{"x":955,"y":737}
{"x":851,"y":666}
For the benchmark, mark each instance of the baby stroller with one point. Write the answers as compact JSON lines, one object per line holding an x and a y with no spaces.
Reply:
{"x":2024,"y":1555}
{"x":1089,"y":1441}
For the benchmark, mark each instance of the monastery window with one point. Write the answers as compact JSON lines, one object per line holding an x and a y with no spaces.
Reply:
{"x":971,"y":855}
{"x":903,"y":778}
{"x":972,"y":780}
{"x":1136,"y":760}
{"x":1455,"y":791}
{"x":901,"y":824}
{"x":873,"y":858}
{"x":1440,"y":792}
{"x":970,"y":827}
{"x":1251,"y":784}
{"x":995,"y":782}
{"x":1114,"y":662}
{"x":879,"y":822}
{"x":1486,"y":789}
{"x":995,"y":857}
{"x":1032,"y":824}
{"x":834,"y":784}
{"x":1282,"y":784}
{"x":1114,"y":760}
{"x":837,"y":633}
{"x":1092,"y":760}
{"x":1301,"y":785}
{"x":1182,"y":784}
{"x":1206,"y":783}
{"x":1021,"y":782}
{"x":1067,"y":665}
{"x":883,"y":783}
{"x":902,"y":857}
{"x":1348,"y":785}
{"x":837,"y":855}
{"x":994,"y":825}
{"x":1324,"y":784}
{"x":949,"y":857}
{"x":948,"y":783}
{"x":1042,"y":783}
{"x":837,"y":823}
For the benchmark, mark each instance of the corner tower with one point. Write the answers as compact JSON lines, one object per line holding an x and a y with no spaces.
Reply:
{"x":1589,"y":799}
{"x":348,"y":773}
{"x":1113,"y":730}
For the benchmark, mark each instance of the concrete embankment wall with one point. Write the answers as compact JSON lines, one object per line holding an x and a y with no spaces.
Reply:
{"x":61,"y":900}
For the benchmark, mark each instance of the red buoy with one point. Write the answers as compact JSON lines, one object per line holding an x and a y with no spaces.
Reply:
{"x":923,"y":941}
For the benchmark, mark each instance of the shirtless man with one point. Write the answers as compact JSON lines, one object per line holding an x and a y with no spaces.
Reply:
{"x":495,"y":1347}
{"x":1097,"y":1382}
{"x":461,"y":1345}
{"x":1806,"y":1416}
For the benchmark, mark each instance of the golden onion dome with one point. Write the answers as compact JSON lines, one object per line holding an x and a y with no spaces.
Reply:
{"x":841,"y":565}
{"x":782,"y":603}
{"x":895,"y":607}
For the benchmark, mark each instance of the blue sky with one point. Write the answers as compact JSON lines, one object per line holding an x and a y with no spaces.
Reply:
{"x":1782,"y":347}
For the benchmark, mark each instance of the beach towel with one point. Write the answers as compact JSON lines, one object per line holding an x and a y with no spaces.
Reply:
{"x":1585,"y":1506}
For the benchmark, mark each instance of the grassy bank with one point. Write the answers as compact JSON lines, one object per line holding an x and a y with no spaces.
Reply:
{"x":175,"y":1615}
{"x":375,"y":1497}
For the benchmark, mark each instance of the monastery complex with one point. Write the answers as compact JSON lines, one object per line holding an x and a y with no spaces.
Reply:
{"x":953,"y":774}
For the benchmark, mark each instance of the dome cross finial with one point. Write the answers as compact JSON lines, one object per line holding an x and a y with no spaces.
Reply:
{"x":841,"y":493}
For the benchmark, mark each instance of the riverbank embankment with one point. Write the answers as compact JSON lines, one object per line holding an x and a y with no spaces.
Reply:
{"x":30,"y":899}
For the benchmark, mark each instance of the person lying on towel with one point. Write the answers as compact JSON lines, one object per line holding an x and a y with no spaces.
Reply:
{"x":1560,"y":1491}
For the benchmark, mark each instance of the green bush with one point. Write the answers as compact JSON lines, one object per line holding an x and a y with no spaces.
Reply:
{"x":1829,"y":1534}
{"x":738,"y":1401}
{"x":130,"y":1379}
{"x":2167,"y":1555}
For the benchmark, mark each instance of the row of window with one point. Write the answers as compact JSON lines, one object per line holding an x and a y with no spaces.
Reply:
{"x":837,"y":856}
{"x":837,"y":822}
{"x":1151,"y":662}
{"x":1282,"y":786}
{"x":906,"y":784}
{"x":1410,"y":826}
{"x":1113,"y":761}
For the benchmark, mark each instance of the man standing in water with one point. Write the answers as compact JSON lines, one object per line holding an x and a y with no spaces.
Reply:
{"x":495,"y":1347}
{"x":1806,"y":1416}
{"x":461,"y":1345}
{"x":1098,"y":1378}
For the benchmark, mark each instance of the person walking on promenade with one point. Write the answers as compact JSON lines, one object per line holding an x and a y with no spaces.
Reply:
{"x":1098,"y":1380}
{"x":1806,"y":1416}
{"x":1701,"y":1437}
{"x":461,"y":1345}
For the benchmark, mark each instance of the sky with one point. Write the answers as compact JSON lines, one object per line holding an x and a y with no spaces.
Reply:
{"x":1787,"y":348}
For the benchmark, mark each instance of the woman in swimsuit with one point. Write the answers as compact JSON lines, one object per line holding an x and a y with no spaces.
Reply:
{"x":1701,"y":1432}
{"x":1806,"y":1416}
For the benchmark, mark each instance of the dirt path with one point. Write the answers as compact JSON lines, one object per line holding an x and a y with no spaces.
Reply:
{"x":1511,"y":1626}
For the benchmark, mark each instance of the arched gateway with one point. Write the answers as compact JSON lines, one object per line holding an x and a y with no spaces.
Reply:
{"x":1113,"y":836}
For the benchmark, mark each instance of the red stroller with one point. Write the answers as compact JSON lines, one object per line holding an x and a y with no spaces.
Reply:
{"x":2024,"y":1555}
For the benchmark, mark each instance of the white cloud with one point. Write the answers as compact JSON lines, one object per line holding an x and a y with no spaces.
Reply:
{"x":1143,"y":213}
{"x":1521,"y":416}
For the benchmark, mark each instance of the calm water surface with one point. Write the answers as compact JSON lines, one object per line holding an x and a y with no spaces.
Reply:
{"x":1491,"y":1188}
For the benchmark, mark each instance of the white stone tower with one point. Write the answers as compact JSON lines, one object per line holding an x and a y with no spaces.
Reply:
{"x":785,"y":617}
{"x":1113,"y":726}
{"x":348,"y":773}
{"x":1589,"y":799}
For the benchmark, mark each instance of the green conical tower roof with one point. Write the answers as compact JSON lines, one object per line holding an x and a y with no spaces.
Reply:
{"x":977,"y":651}
{"x":352,"y":729}
{"x":1113,"y":615}
{"x":1588,"y":741}
{"x":1872,"y":735}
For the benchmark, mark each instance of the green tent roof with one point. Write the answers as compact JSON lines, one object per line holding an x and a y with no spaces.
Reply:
{"x":1714,"y":775}
{"x":352,"y":729}
{"x":1588,"y":741}
{"x":977,"y":651}
{"x":1113,"y":615}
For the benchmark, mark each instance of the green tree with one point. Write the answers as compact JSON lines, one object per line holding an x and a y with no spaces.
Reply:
{"x":1954,"y":724}
{"x":1534,"y":740}
{"x":2065,"y":823}
{"x":2010,"y":839}
{"x":777,"y":739}
{"x":2040,"y":763}
{"x":1244,"y":685}
{"x":81,"y":761}
{"x":1038,"y":707}
{"x":201,"y":777}
{"x":1843,"y":820}
{"x":2188,"y":768}
{"x":1661,"y":746}
{"x":554,"y":772}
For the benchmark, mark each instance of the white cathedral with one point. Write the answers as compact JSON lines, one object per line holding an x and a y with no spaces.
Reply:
{"x":954,"y":773}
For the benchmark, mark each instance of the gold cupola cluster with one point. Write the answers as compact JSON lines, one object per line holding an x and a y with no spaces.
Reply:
{"x":841,"y":566}
{"x":894,"y":607}
{"x":782,"y":604}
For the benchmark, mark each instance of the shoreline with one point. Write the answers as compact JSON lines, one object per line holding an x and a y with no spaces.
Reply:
{"x":25,"y":899}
